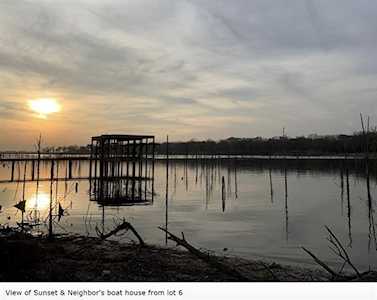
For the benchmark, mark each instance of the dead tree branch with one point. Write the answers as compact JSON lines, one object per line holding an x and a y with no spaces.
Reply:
{"x":211,"y":260}
{"x":322,"y":264}
{"x":123,"y":226}
{"x":269,"y":271}
{"x":340,"y":250}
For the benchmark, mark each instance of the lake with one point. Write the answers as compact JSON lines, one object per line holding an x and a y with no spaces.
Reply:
{"x":254,"y":208}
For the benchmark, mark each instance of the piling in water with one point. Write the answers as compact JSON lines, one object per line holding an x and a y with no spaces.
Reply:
{"x":223,"y":193}
{"x":167,"y":189}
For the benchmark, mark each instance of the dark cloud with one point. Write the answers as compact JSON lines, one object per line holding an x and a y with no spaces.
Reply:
{"x":11,"y":110}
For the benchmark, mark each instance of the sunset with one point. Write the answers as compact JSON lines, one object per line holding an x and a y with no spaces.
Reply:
{"x":43,"y":107}
{"x":194,"y":69}
{"x":173,"y":141}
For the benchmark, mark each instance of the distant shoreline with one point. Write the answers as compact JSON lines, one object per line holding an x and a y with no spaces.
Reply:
{"x":21,"y":156}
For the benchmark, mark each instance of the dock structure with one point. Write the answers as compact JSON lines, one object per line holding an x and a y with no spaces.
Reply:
{"x":121,"y":169}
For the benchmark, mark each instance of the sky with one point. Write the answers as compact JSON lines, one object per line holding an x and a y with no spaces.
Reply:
{"x":207,"y":69}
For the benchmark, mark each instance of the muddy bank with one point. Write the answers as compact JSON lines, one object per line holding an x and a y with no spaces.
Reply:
{"x":78,"y":258}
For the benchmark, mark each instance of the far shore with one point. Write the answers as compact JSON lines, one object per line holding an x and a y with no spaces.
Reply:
{"x":22,"y":156}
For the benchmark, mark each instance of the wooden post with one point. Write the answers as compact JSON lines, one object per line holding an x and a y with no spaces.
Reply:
{"x":101,"y":167}
{"x":50,"y":211}
{"x":90,"y":162}
{"x":32,"y":169}
{"x":12,"y":175}
{"x":153,"y":155}
{"x":23,"y":197}
{"x":118,"y":158}
{"x":146,"y":168}
{"x":70,"y":169}
{"x":57,"y":183}
{"x":95,"y":160}
{"x":121,"y":158}
{"x":52,"y":170}
{"x":235,"y":178}
{"x":128,"y":159}
{"x":167,"y":189}
{"x":37,"y":188}
{"x":341,"y":188}
{"x":103,"y":219}
{"x":271,"y":187}
{"x":112,"y":154}
{"x":140,"y":158}
{"x":133,"y":168}
{"x":348,"y":207}
{"x":223,"y":193}
{"x":196,"y":167}
{"x":286,"y":202}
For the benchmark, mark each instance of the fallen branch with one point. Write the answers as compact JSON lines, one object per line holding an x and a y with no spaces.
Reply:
{"x":332,"y":272}
{"x":322,"y":264}
{"x":211,"y":260}
{"x":123,"y":226}
{"x":270,"y":271}
{"x":340,"y":250}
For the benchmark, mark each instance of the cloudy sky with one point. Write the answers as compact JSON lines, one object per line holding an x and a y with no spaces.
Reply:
{"x":190,"y":69}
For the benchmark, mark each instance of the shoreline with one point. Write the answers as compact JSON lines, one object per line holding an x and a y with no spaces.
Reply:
{"x":81,"y":258}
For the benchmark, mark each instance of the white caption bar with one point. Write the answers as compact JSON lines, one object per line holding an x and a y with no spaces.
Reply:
{"x":93,"y":291}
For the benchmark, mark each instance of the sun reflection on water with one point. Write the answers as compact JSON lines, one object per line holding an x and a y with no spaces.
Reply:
{"x":41,"y":202}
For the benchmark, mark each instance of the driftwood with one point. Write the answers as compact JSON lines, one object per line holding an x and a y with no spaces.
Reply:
{"x":123,"y":226}
{"x":211,"y":260}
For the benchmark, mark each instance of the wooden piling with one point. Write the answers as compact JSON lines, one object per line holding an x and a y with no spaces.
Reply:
{"x":12,"y":174}
{"x":167,"y":189}
{"x":70,"y":169}
{"x":223,"y":193}
{"x":50,"y":233}
{"x":32,"y":170}
{"x":348,"y":207}
{"x":271,"y":187}
{"x":286,"y":202}
{"x":90,"y":161}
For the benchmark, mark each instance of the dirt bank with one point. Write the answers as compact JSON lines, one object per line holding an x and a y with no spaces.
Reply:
{"x":77,"y":258}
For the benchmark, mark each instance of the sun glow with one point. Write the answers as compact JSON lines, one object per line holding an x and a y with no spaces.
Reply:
{"x":41,"y":202}
{"x":44,"y":106}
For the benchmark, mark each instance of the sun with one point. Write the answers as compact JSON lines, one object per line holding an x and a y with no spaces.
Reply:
{"x":44,"y":106}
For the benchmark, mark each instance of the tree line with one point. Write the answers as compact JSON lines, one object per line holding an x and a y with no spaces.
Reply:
{"x":309,"y":145}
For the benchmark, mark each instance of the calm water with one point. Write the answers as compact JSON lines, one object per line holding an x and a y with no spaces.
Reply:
{"x":269,"y":208}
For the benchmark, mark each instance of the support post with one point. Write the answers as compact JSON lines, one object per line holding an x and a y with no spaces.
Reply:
{"x":12,"y":175}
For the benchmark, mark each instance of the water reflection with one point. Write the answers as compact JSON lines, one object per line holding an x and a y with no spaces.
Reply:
{"x":122,"y":191}
{"x":254,"y":207}
{"x":349,"y":208}
{"x":40,"y":201}
{"x":286,"y":203}
{"x":271,"y":187}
